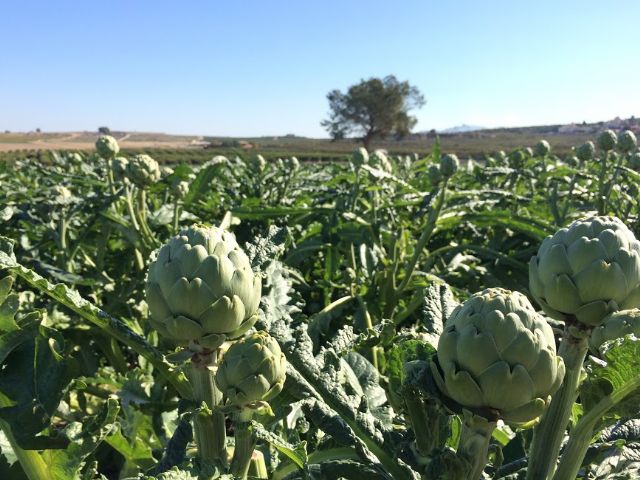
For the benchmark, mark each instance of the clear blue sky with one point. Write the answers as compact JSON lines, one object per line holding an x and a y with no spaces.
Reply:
{"x":264,"y":67}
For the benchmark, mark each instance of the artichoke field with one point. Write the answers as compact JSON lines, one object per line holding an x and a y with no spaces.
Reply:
{"x":385,"y":317}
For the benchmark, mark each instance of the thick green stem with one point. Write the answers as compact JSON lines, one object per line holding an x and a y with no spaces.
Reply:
{"x":548,"y":435}
{"x":31,"y":462}
{"x":474,"y":443}
{"x":209,"y":427}
{"x":600,"y":201}
{"x":176,"y":215}
{"x":425,"y":422}
{"x":245,"y":442}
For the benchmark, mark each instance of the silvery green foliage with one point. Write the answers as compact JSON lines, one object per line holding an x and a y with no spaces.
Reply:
{"x":107,"y":147}
{"x":496,"y":354}
{"x":615,"y":325}
{"x":587,"y":271}
{"x":201,"y":288}
{"x":142,"y":170}
{"x":449,"y":165}
{"x":627,"y":141}
{"x":607,"y":140}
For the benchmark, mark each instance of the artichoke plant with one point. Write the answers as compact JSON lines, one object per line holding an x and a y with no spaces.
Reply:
{"x":634,"y":161}
{"x":434,"y":174}
{"x":627,"y":141}
{"x":107,"y":147}
{"x":586,"y":151}
{"x":616,"y":325}
{"x":179,"y":189}
{"x":449,"y":165}
{"x":201,"y":288}
{"x":497,"y":354}
{"x":359,"y":157}
{"x":119,"y":168}
{"x":587,"y":271}
{"x":143,"y":170}
{"x":252,"y":370}
{"x":380,"y":161}
{"x":607,"y":140}
{"x":542,"y":148}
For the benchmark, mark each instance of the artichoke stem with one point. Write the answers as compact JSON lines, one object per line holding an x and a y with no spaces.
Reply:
{"x":548,"y":435}
{"x":474,"y":443}
{"x":425,"y":420}
{"x":210,"y":428}
{"x":245,"y":443}
{"x":33,"y":466}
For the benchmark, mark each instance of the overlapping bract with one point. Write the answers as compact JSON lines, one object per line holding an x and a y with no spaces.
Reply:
{"x":201,"y":288}
{"x":616,"y":325}
{"x":143,"y":170}
{"x":587,"y":271}
{"x":497,"y":353}
{"x":107,"y":147}
{"x":252,"y":370}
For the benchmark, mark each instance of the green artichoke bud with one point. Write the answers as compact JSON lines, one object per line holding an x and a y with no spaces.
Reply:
{"x":497,"y":353}
{"x":258,"y":163}
{"x":359,"y":157}
{"x":572,"y":161}
{"x":616,"y":325}
{"x":627,"y":141}
{"x":143,"y":170}
{"x":166,"y":171}
{"x":434,"y":174}
{"x":180,"y":189}
{"x":380,"y":161}
{"x":74,"y":158}
{"x":586,"y":151}
{"x":587,"y":271}
{"x":119,"y":167}
{"x":607,"y":140}
{"x":201,"y":288}
{"x":292,"y":164}
{"x":449,"y":165}
{"x":500,"y":156}
{"x":542,"y":148}
{"x":252,"y":370}
{"x":107,"y":147}
{"x":516,"y":159}
{"x":634,"y":161}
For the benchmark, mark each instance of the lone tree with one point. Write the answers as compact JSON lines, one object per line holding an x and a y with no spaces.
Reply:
{"x":373,"y":108}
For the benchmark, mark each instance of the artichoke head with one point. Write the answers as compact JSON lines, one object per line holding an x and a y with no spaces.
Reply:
{"x":616,"y":325}
{"x":252,"y":370}
{"x":359,"y":157}
{"x":607,"y":140}
{"x":107,"y":147}
{"x":119,"y":168}
{"x":434,"y":174}
{"x":627,"y":141}
{"x":143,"y":170}
{"x":180,"y":189}
{"x":449,"y":165}
{"x":201,"y":288}
{"x":587,"y":271}
{"x":586,"y":151}
{"x":542,"y":148}
{"x":497,"y":354}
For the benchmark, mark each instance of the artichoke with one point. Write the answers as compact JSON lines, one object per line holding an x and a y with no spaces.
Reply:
{"x":143,"y":170}
{"x":587,"y":271}
{"x":258,"y":163}
{"x":119,"y":167}
{"x":449,"y":165}
{"x":201,"y":288}
{"x":586,"y":151}
{"x":434,"y":174}
{"x":380,"y":161}
{"x":616,"y":325}
{"x":542,"y":148}
{"x":607,"y":140}
{"x":497,"y":354}
{"x":292,"y":164}
{"x":359,"y":157}
{"x":634,"y":161}
{"x":107,"y":147}
{"x":516,"y":159}
{"x":179,"y":188}
{"x":252,"y":370}
{"x":627,"y":141}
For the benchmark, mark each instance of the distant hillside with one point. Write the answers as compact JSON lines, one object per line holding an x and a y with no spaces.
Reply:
{"x":461,"y":129}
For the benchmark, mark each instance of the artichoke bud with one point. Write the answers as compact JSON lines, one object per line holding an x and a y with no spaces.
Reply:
{"x":258,"y":163}
{"x":107,"y":147}
{"x":529,"y":151}
{"x":252,"y":370}
{"x":586,"y":271}
{"x":143,"y":170}
{"x":607,"y":140}
{"x":201,"y":289}
{"x":434,"y":174}
{"x":586,"y":151}
{"x":542,"y":148}
{"x":497,"y":357}
{"x":627,"y":141}
{"x":380,"y":160}
{"x":634,"y":161}
{"x":614,"y":326}
{"x":180,"y":189}
{"x":500,"y":156}
{"x":516,"y":159}
{"x":119,"y":168}
{"x":359,"y":157}
{"x":449,"y":165}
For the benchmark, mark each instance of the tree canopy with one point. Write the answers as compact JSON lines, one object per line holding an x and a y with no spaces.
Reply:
{"x":373,"y":108}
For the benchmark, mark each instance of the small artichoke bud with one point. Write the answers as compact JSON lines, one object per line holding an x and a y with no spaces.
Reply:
{"x":143,"y":170}
{"x":614,"y":326}
{"x":258,"y":163}
{"x":166,"y":171}
{"x":359,"y":157}
{"x":107,"y":147}
{"x":587,"y":270}
{"x":634,"y":161}
{"x":586,"y":151}
{"x":180,"y":189}
{"x":542,"y":148}
{"x":201,"y":288}
{"x":252,"y":370}
{"x":119,"y":168}
{"x":516,"y":159}
{"x":292,"y":164}
{"x":449,"y":165}
{"x":75,"y":158}
{"x":500,"y":156}
{"x":497,"y":354}
{"x":572,"y":161}
{"x":607,"y":140}
{"x":434,"y":174}
{"x":529,"y":151}
{"x":627,"y":141}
